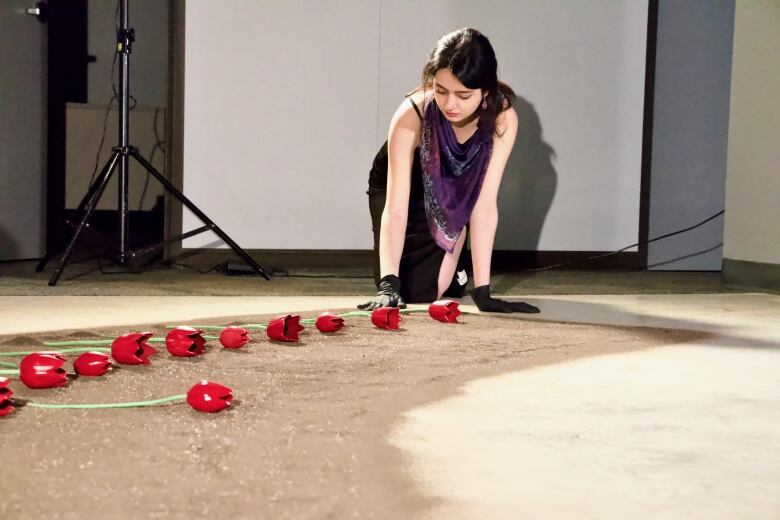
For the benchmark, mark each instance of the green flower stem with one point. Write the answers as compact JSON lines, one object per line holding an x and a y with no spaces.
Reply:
{"x":9,"y":372}
{"x":203,"y":327}
{"x":19,"y":353}
{"x":78,"y":342}
{"x":7,"y":364}
{"x":59,"y":351}
{"x":153,"y":402}
{"x":307,"y":321}
{"x":410,"y":310}
{"x":82,"y":349}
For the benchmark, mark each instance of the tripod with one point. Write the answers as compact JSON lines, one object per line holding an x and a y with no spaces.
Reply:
{"x":120,"y":156}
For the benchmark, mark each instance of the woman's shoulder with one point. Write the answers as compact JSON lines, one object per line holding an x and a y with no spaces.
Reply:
{"x":409,"y":112}
{"x":413,"y":106}
{"x":417,"y":97}
{"x":506,"y":119}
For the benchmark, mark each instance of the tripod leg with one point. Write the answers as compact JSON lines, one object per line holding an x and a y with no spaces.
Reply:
{"x":101,"y":183}
{"x":64,"y":237}
{"x":202,"y":216}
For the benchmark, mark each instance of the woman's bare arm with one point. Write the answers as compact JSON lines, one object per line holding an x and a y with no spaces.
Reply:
{"x":484,"y":217}
{"x":403,"y":136}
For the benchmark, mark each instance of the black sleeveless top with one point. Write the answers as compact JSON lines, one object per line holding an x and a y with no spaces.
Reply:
{"x":377,"y":177}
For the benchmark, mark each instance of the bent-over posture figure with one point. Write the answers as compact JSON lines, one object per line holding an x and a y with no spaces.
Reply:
{"x":438,"y":173}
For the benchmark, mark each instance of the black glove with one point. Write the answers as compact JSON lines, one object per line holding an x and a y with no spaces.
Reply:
{"x":389,"y":295}
{"x":486,"y":303}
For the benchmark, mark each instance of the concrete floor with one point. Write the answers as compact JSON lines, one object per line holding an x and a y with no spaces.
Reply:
{"x":687,"y":431}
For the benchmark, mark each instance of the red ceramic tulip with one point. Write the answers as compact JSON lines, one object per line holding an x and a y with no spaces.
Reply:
{"x":329,"y":322}
{"x":234,"y":337}
{"x":132,"y":349}
{"x":209,"y":397}
{"x":386,"y":317}
{"x":92,"y":364}
{"x":185,"y":342}
{"x":43,"y":370}
{"x":284,"y":328}
{"x":6,"y":404}
{"x":444,"y":310}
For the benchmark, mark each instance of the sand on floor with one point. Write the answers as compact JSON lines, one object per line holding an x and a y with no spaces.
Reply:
{"x":306,"y":438}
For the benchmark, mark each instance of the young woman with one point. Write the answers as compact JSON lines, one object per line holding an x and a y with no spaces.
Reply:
{"x":440,"y":171}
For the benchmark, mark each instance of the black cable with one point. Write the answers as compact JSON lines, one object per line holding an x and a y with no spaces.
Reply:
{"x":157,"y":145}
{"x":206,"y":271}
{"x":285,"y":274}
{"x":103,"y":271}
{"x":721,"y":212}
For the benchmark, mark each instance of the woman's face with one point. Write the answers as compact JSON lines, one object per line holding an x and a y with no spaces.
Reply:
{"x":455,"y":101}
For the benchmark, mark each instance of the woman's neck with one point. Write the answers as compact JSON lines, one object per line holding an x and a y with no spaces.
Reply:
{"x":470,"y":121}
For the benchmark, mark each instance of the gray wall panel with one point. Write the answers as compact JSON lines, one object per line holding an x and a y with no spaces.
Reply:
{"x":690,"y":132}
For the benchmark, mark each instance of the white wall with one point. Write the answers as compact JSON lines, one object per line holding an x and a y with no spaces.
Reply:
{"x":752,"y":230}
{"x":286,"y":103}
{"x":280,"y":118}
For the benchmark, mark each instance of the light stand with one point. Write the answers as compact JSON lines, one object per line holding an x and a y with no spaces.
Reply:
{"x":120,"y":157}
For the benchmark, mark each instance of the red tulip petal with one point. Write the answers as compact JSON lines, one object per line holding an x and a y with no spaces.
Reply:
{"x":329,"y":322}
{"x":198,"y":344}
{"x":6,"y":405}
{"x":43,"y":370}
{"x":208,"y":396}
{"x":393,"y":318}
{"x":132,"y":348}
{"x":234,"y":337}
{"x":284,"y":328}
{"x":386,"y":317}
{"x":437,"y":312}
{"x":294,"y":327}
{"x":92,"y":364}
{"x":275,"y":328}
{"x":185,"y":342}
{"x":444,"y":310}
{"x":379,"y":317}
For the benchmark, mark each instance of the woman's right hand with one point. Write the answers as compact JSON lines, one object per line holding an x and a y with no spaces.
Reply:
{"x":389,"y":295}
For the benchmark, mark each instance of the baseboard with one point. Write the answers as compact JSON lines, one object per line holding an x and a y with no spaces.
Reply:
{"x":574,"y":260}
{"x":751,"y":274}
{"x":282,"y":260}
{"x":361,"y":259}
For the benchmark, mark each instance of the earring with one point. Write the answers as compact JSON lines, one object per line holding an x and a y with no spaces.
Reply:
{"x":484,"y":103}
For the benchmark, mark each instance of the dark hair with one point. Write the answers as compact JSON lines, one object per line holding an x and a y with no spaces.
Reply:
{"x":469,"y":55}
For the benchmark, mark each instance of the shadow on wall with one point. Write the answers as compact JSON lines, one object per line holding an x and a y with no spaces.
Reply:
{"x":528,"y":185}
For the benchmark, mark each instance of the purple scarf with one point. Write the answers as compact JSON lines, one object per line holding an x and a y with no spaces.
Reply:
{"x":452,"y":174}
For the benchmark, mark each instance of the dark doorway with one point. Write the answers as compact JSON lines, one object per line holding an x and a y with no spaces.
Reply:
{"x":68,"y":82}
